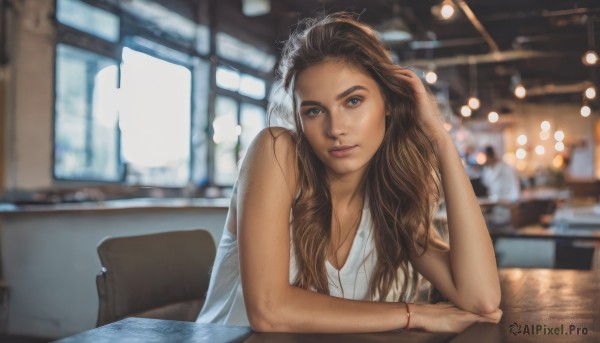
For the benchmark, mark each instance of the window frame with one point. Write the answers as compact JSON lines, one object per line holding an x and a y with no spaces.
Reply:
{"x":130,"y":26}
{"x":239,"y":99}
{"x":72,"y":37}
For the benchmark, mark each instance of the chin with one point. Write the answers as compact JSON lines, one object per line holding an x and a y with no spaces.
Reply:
{"x":344,"y":168}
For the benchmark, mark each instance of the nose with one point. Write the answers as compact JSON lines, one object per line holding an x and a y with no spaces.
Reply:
{"x":336,"y":124}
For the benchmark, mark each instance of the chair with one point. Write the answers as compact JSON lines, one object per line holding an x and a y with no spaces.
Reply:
{"x":162,"y":276}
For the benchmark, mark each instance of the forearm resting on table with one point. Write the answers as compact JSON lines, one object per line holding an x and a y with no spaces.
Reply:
{"x":297,"y":310}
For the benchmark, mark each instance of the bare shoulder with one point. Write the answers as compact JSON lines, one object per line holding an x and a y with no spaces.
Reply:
{"x":271,"y":159}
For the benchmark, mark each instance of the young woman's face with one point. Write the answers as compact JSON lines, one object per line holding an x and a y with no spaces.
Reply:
{"x":342,"y":112}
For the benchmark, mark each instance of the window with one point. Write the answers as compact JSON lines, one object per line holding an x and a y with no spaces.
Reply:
{"x":232,"y":136}
{"x":226,"y":131}
{"x":89,"y":19}
{"x":155,"y":120}
{"x":86,"y":136}
{"x":235,"y":50}
{"x":252,"y":121}
{"x":243,"y":84}
{"x":133,"y":96}
{"x":239,"y":117}
{"x":252,"y":86}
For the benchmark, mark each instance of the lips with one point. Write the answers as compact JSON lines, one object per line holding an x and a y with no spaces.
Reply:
{"x":342,"y":151}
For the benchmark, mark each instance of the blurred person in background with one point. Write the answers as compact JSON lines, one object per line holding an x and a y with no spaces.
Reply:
{"x":503,"y":187}
{"x":500,"y":178}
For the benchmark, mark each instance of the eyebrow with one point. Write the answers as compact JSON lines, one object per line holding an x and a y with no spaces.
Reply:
{"x":337,"y":97}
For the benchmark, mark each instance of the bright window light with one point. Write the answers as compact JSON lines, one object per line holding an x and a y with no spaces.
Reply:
{"x":252,"y":86}
{"x":155,"y":119}
{"x":228,"y":79}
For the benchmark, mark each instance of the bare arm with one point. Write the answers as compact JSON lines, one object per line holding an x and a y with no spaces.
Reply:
{"x":466,"y":271}
{"x":265,"y":194}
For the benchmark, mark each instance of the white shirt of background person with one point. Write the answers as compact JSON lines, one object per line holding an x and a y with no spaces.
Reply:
{"x":500,"y":178}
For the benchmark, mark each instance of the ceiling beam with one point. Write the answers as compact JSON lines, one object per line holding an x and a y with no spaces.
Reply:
{"x":492,"y":57}
{"x":477,"y":24}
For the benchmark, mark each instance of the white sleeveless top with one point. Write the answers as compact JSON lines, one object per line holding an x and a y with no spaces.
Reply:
{"x":225,"y":301}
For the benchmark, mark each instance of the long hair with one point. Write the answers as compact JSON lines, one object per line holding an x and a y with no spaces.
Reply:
{"x":401,"y":179}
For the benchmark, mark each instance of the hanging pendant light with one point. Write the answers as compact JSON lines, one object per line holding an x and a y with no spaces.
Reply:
{"x":473,"y":101}
{"x":590,"y":57}
{"x":395,"y":30}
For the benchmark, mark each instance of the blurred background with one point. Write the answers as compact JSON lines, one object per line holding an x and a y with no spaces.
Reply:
{"x":132,"y":116}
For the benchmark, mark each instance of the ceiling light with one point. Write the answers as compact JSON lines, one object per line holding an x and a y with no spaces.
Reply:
{"x":493,"y":117}
{"x":447,"y":11}
{"x":474,"y":103}
{"x":559,"y":146}
{"x":254,"y":8}
{"x":545,"y":125}
{"x":585,"y":111}
{"x":395,"y":30}
{"x":520,"y":91}
{"x":539,"y":150}
{"x":431,"y":77}
{"x":558,"y":161}
{"x":559,"y":135}
{"x":521,"y":153}
{"x":590,"y":92}
{"x":590,"y":58}
{"x":465,"y":111}
{"x":522,"y":140}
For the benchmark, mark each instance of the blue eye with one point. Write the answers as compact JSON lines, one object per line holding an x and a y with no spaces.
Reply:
{"x":354,"y":101}
{"x":313,"y":112}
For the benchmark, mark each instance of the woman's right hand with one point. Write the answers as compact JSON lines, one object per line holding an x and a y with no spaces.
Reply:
{"x":446,"y":317}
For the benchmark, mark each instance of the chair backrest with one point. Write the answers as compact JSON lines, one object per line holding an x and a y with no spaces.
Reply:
{"x":163,"y":275}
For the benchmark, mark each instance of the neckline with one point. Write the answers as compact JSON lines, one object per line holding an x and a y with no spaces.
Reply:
{"x":351,"y":253}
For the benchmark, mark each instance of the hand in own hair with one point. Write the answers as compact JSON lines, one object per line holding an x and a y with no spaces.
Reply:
{"x":446,"y":317}
{"x":429,"y":116}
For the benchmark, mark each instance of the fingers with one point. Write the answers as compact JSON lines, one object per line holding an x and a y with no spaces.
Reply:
{"x":493,"y":317}
{"x":411,"y":77}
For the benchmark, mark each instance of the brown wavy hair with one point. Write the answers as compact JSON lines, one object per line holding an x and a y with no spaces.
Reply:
{"x":401,"y":179}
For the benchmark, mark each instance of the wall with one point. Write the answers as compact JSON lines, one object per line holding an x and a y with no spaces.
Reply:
{"x":50,"y":261}
{"x":29,"y":120}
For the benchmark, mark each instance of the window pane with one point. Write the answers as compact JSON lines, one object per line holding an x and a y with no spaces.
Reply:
{"x":253,"y":119}
{"x":252,"y":86}
{"x":225,"y":136}
{"x":161,"y":18}
{"x":228,"y":79}
{"x":90,"y":19}
{"x":142,"y":44}
{"x":85,"y":138}
{"x":235,"y":50}
{"x":155,"y":120}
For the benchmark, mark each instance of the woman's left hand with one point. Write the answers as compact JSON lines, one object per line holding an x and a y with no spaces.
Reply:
{"x":429,"y":115}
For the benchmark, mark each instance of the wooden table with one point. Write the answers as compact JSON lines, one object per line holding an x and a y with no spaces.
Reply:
{"x":547,"y":299}
{"x":536,"y":302}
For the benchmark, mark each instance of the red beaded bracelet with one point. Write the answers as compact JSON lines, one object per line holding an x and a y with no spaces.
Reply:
{"x":408,"y":315}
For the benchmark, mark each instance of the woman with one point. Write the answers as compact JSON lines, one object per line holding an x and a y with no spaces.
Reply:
{"x":330,"y":221}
